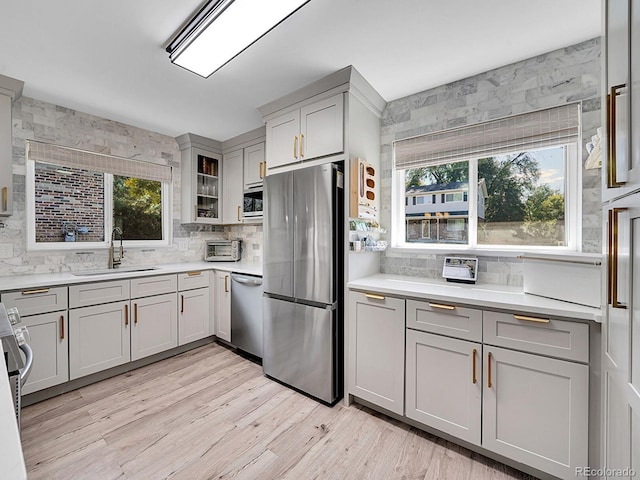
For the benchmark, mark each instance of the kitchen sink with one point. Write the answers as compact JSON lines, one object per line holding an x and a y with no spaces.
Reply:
{"x":109,"y":271}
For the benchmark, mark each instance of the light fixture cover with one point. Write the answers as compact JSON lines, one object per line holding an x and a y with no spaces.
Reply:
{"x":223,"y":29}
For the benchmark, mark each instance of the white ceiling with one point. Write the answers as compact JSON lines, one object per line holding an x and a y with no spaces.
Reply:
{"x":108,"y":59}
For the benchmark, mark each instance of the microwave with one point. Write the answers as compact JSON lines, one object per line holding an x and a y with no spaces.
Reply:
{"x":223,"y":250}
{"x":252,"y":203}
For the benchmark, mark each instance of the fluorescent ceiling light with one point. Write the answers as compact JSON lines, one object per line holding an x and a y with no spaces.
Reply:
{"x":223,"y":29}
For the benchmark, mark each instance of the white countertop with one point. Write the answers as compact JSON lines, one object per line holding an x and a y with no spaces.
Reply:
{"x":37,"y":280}
{"x":480,"y":295}
{"x":11,"y":457}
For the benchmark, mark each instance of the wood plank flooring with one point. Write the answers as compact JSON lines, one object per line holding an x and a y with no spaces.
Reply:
{"x":210,"y":413}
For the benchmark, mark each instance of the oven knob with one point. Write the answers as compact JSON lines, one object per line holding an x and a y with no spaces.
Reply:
{"x":22,"y":335}
{"x":14,"y":315}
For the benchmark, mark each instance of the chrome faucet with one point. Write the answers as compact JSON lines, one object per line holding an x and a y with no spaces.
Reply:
{"x":113,"y":261}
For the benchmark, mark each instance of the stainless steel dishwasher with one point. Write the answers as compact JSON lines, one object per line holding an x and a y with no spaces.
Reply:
{"x":246,"y":313}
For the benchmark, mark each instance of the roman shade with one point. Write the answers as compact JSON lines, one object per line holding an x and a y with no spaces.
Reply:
{"x":96,"y":162}
{"x":528,"y":131}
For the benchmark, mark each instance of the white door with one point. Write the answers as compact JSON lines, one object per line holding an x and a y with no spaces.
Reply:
{"x":193,"y":320}
{"x":444,"y":384}
{"x":223,"y":305}
{"x":283,"y":137}
{"x":322,"y":128}
{"x":376,"y":350}
{"x":254,"y":165}
{"x":536,"y":410}
{"x":98,"y":338}
{"x":155,"y":325}
{"x":49,"y":342}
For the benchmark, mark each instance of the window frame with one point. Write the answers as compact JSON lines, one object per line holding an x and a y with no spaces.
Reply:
{"x":30,"y":201}
{"x":573,"y":214}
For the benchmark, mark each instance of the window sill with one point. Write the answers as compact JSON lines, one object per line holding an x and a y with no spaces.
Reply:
{"x":399,"y":250}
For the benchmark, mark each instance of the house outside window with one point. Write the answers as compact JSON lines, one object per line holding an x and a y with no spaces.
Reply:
{"x":501,"y":197}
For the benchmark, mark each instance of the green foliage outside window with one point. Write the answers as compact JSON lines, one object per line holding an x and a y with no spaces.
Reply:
{"x":137,"y":208}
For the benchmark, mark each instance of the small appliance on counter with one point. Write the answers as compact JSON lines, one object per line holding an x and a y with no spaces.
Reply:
{"x":223,"y":250}
{"x":460,"y":269}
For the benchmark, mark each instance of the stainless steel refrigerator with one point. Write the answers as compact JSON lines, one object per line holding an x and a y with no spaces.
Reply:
{"x":303,"y":280}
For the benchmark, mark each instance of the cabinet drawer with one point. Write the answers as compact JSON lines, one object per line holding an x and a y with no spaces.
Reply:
{"x":445,"y":319}
{"x":545,"y":336}
{"x":147,"y":286}
{"x":32,"y":301}
{"x":193,"y":279}
{"x":98,"y":292}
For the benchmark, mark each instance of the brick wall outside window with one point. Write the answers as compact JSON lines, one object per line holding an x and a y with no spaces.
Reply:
{"x":63,"y":198}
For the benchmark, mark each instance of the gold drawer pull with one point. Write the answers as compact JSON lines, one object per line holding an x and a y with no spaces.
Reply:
{"x":181,"y":303}
{"x":5,"y":199}
{"x":302,"y":145}
{"x":126,"y":315}
{"x":374,"y":296}
{"x":135,"y":313}
{"x":295,"y":147}
{"x":531,"y":319}
{"x":194,"y":274}
{"x":442,"y":306}
{"x":61,"y":327}
{"x":33,"y":292}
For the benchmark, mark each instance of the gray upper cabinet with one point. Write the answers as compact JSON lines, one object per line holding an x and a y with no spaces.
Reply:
{"x":312,"y":131}
{"x":10,"y":90}
{"x":200,"y":176}
{"x":255,"y":167}
{"x":232,"y":181}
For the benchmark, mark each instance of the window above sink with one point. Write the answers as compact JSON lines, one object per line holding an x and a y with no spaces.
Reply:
{"x":73,"y":197}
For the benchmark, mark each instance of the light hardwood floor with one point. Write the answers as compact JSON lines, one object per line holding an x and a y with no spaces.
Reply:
{"x":210,"y":413}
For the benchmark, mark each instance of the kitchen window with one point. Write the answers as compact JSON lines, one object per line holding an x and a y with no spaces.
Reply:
{"x":509,"y":184}
{"x":76,"y":198}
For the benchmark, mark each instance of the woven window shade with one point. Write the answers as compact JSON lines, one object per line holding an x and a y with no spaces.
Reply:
{"x":528,"y":131}
{"x":96,"y":162}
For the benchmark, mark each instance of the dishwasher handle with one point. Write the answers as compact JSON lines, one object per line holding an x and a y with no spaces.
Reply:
{"x":254,"y":281}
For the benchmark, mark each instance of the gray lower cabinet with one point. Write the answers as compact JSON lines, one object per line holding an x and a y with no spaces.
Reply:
{"x":444,"y":384}
{"x":535,"y":410}
{"x":376,"y":349}
{"x":49,"y":342}
{"x":44,"y":312}
{"x":194,"y":315}
{"x":223,"y":305}
{"x":155,"y":325}
{"x":99,"y":338}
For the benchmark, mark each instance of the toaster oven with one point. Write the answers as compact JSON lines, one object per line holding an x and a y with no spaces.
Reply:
{"x":223,"y":250}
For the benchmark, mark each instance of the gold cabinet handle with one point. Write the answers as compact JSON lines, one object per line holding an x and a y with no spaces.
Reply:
{"x":612,"y":173}
{"x":302,"y":145}
{"x":473,"y":354}
{"x":135,"y":313}
{"x":442,"y":306}
{"x":531,"y":319}
{"x":612,"y":268}
{"x":33,"y":292}
{"x":194,"y":274}
{"x":181,"y":303}
{"x":263,"y":169}
{"x":489,"y":384}
{"x":61,"y":327}
{"x":374,"y":296}
{"x":239,"y":213}
{"x":126,"y":315}
{"x":295,"y":146}
{"x":5,"y":199}
{"x":226,"y":287}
